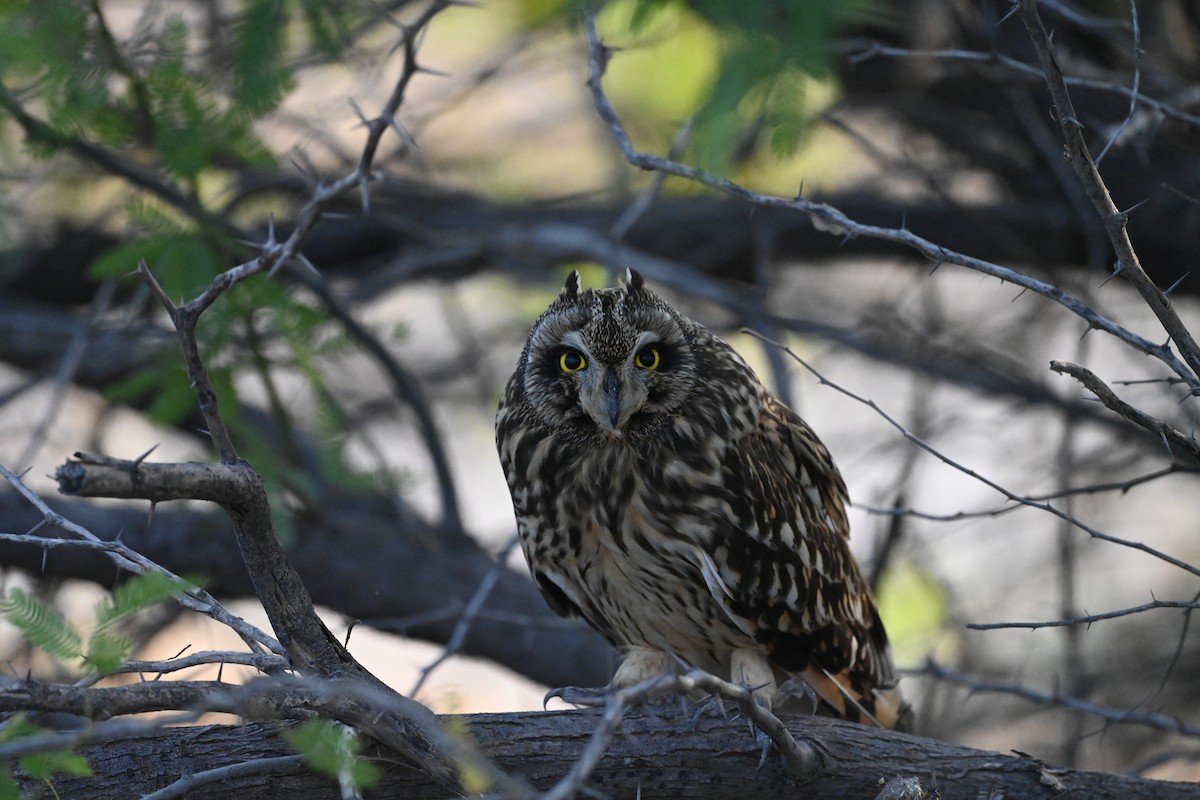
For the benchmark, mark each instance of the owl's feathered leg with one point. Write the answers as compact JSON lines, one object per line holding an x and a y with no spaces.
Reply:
{"x":750,"y":668}
{"x":641,"y":664}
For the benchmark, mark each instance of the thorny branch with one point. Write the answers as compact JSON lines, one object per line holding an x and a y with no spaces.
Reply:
{"x":1108,"y":397}
{"x":1113,"y":486}
{"x":1114,"y":219}
{"x":131,"y":561}
{"x":1112,"y":716}
{"x":1013,"y":67}
{"x":408,"y":728}
{"x":274,"y":254}
{"x":1086,"y":619}
{"x":833,"y":221}
{"x":1011,"y":496}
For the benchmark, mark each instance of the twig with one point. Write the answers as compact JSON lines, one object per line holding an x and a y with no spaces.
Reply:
{"x":275,"y":765}
{"x":131,"y":561}
{"x":1137,"y":81}
{"x":1012,"y":496}
{"x":459,"y":636}
{"x":1086,"y":619}
{"x":1105,"y":395}
{"x":1149,"y":719}
{"x":1114,"y":486}
{"x":263,"y":662}
{"x":833,"y":221}
{"x":1114,"y":220}
{"x":1028,"y":71}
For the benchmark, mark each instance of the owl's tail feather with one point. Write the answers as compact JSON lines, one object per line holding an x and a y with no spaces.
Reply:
{"x":883,"y":707}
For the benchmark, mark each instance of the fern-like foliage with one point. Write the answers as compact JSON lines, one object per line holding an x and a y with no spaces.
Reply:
{"x":137,"y":593}
{"x":189,"y":109}
{"x":46,"y":627}
{"x":43,"y":625}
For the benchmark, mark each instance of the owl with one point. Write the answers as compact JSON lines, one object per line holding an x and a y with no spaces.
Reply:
{"x":666,"y":497}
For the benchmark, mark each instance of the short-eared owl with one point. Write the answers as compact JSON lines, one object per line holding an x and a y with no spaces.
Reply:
{"x":666,"y":497}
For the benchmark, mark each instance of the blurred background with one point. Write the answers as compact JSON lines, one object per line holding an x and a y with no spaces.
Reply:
{"x":183,"y":132}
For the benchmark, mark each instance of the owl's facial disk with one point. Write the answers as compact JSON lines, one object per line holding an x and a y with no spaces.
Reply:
{"x":614,"y":363}
{"x":611,"y":393}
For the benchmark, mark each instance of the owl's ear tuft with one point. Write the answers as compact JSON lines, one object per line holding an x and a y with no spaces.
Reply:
{"x":571,"y":288}
{"x":634,"y":281}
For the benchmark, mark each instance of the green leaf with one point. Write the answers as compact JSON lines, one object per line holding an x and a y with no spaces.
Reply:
{"x":124,"y":259}
{"x":42,"y":625}
{"x":9,"y":790}
{"x":46,"y":764}
{"x":107,"y":651}
{"x":333,"y":749}
{"x":40,"y":765}
{"x":260,"y":80}
{"x":326,"y":26}
{"x":644,"y":11}
{"x":137,"y":593}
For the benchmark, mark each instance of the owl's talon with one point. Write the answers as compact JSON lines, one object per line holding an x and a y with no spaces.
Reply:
{"x":587,"y":697}
{"x":764,"y":741}
{"x":798,"y":689}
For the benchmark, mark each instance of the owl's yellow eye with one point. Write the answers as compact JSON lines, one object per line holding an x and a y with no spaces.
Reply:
{"x":648,"y":358}
{"x":571,"y":361}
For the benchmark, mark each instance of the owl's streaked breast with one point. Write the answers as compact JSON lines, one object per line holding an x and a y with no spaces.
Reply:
{"x":623,"y":533}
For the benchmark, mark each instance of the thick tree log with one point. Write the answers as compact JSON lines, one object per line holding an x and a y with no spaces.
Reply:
{"x":669,"y":754}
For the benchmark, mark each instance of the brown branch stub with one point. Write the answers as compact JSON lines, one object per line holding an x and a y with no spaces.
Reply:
{"x":1179,"y":442}
{"x":1080,"y":158}
{"x":92,"y":475}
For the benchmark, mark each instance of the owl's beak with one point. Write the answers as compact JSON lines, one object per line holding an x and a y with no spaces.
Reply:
{"x":612,"y":391}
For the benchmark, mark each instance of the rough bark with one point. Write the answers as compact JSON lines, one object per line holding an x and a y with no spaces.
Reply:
{"x":667,"y":754}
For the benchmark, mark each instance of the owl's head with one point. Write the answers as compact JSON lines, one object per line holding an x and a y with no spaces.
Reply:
{"x":609,"y":363}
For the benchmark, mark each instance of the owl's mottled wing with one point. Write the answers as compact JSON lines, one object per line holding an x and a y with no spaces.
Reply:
{"x":518,"y":441}
{"x":783,"y":568}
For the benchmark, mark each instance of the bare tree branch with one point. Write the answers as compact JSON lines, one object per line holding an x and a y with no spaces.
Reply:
{"x":1008,"y":494}
{"x":1080,"y":158}
{"x":833,"y":221}
{"x":1187,"y":444}
{"x":1086,"y":619}
{"x":1151,"y":719}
